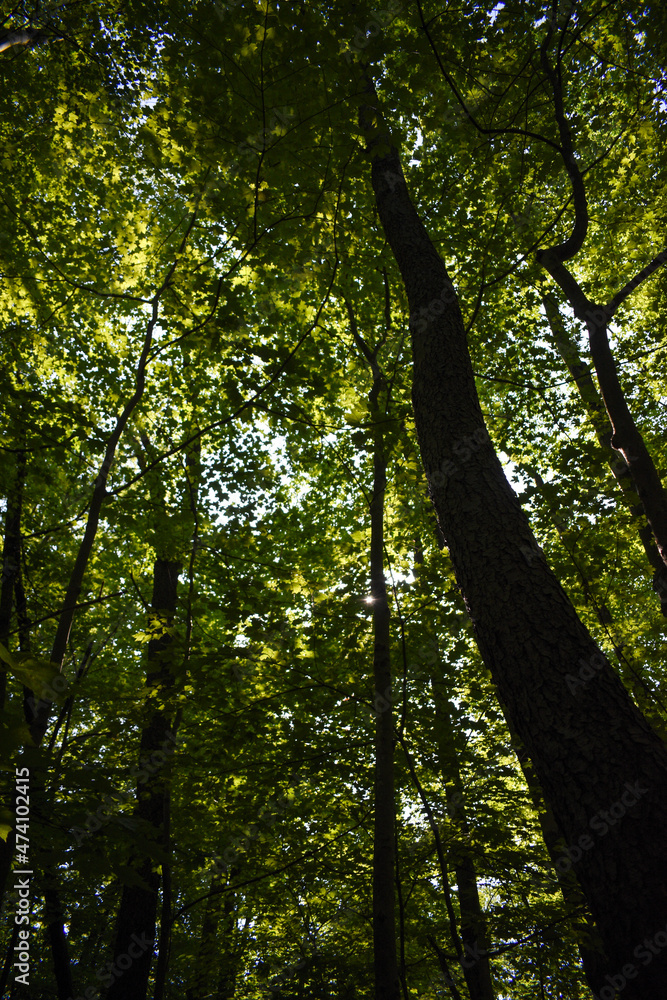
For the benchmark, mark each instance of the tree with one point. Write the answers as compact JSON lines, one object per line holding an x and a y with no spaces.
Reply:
{"x":527,"y":631}
{"x":205,"y":182}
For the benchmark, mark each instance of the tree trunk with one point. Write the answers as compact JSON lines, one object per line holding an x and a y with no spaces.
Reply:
{"x":593,"y":960}
{"x":56,"y":931}
{"x":603,"y":431}
{"x":135,"y":932}
{"x":164,"y":944}
{"x":474,"y":961}
{"x":602,"y":768}
{"x":11,"y":562}
{"x":216,"y":961}
{"x":387,"y":983}
{"x":387,"y":980}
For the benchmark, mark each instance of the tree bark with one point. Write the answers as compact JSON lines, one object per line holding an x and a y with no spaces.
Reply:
{"x":602,"y":768}
{"x":474,"y":961}
{"x":593,"y":959}
{"x":135,"y":930}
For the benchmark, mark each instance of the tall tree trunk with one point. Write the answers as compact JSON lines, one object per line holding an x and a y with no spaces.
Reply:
{"x":593,"y":960}
{"x":595,"y":409}
{"x":216,"y":960}
{"x":164,"y":944}
{"x":12,"y":597}
{"x":387,"y":980}
{"x":387,"y":983}
{"x":602,"y":768}
{"x":474,"y":961}
{"x":627,"y":438}
{"x":55,"y":921}
{"x":135,"y":930}
{"x":11,"y":562}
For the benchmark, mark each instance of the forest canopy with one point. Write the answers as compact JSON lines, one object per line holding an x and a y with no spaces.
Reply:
{"x":332,"y":454}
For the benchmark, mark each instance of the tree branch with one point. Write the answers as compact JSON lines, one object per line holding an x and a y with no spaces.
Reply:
{"x":573,"y":244}
{"x":634,"y":283}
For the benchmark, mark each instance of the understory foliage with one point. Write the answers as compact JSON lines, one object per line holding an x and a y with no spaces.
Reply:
{"x":188,"y":240}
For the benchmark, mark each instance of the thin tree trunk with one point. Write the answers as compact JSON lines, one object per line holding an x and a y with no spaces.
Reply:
{"x":11,"y":562}
{"x":603,"y":770}
{"x":216,"y":960}
{"x":164,"y":945}
{"x":135,"y":931}
{"x":387,"y":980}
{"x":58,"y":939}
{"x":474,"y":961}
{"x":626,"y":439}
{"x":595,"y":409}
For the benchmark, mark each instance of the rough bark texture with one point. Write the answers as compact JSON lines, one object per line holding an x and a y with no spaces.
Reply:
{"x":602,"y":768}
{"x":135,"y":931}
{"x":475,"y":962}
{"x":590,"y":946}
